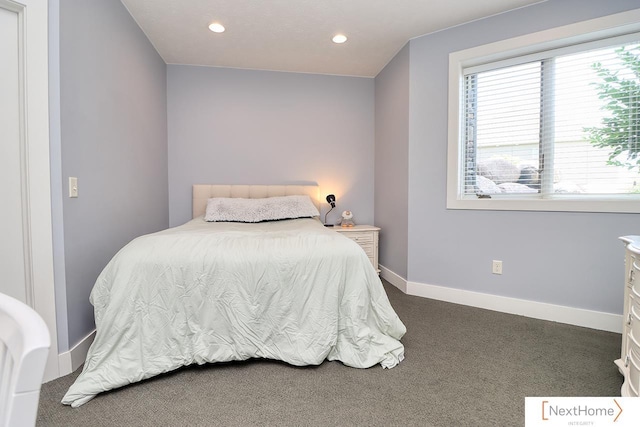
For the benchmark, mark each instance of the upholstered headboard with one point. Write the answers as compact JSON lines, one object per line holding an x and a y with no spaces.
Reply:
{"x":203,"y":192}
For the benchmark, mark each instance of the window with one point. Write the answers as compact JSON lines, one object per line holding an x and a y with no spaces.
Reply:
{"x":551,"y":125}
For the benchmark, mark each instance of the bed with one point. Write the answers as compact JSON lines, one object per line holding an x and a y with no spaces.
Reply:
{"x":290,"y":290}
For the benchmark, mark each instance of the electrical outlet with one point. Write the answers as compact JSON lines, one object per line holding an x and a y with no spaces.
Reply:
{"x":496,"y":267}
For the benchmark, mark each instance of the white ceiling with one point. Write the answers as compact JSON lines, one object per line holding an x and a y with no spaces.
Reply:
{"x":295,"y":35}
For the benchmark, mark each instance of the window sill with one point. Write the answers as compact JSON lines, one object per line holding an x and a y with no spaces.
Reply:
{"x":563,"y":203}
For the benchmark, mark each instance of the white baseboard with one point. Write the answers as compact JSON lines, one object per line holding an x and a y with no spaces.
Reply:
{"x":393,"y":278}
{"x":537,"y":310}
{"x":71,"y":360}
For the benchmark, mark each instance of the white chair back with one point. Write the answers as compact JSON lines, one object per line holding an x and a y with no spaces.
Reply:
{"x":24,"y":346}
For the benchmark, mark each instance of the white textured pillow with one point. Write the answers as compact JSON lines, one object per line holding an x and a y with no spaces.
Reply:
{"x":222,"y":209}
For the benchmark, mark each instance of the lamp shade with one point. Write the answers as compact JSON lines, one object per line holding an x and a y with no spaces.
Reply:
{"x":331,"y":199}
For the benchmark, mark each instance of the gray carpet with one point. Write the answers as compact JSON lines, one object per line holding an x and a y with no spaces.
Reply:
{"x":464,"y":367}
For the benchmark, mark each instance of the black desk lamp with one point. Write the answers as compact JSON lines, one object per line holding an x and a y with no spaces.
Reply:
{"x":331,"y":199}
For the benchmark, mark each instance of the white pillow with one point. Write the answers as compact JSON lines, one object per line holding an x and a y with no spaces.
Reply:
{"x":222,"y":209}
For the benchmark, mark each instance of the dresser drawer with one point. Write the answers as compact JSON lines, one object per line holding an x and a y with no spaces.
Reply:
{"x":628,"y":319}
{"x":634,"y":271}
{"x":633,"y":365}
{"x":633,"y":319}
{"x":634,"y":378}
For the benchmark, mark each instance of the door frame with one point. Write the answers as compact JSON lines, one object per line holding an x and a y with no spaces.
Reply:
{"x":33,"y":39}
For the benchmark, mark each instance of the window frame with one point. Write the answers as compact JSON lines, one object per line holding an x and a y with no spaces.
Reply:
{"x":513,"y":51}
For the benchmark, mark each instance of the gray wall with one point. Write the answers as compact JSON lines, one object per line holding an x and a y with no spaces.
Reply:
{"x":112,"y":117}
{"x":231,"y":126}
{"x":392,"y":162}
{"x":109,"y":112}
{"x":570,"y":259}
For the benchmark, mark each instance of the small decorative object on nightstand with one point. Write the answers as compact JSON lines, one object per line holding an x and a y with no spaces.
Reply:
{"x":347,"y":219}
{"x":367,"y":237}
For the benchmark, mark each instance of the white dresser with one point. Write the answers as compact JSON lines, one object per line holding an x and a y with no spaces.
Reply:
{"x":629,"y":362}
{"x":367,"y":237}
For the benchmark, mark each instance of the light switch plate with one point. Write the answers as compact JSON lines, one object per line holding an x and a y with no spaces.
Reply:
{"x":73,"y":186}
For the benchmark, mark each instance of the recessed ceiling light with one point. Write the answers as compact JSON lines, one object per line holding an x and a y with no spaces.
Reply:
{"x":216,"y":28}
{"x":339,"y":38}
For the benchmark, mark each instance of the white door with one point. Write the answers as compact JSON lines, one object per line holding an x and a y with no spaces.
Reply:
{"x":26,"y":252}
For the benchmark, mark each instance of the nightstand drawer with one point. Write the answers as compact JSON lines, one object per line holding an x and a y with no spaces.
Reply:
{"x":368,"y":248}
{"x":366,"y":236}
{"x":361,"y":237}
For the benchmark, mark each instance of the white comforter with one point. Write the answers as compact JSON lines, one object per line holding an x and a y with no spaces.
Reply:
{"x":213,"y":292}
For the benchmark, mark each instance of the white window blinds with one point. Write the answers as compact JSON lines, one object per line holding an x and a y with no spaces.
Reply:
{"x":566,"y":121}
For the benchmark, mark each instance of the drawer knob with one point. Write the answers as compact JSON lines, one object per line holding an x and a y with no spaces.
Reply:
{"x":630,"y":319}
{"x":631,"y":275}
{"x":626,"y":361}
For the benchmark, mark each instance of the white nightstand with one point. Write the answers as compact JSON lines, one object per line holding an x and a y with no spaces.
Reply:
{"x":366,"y":236}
